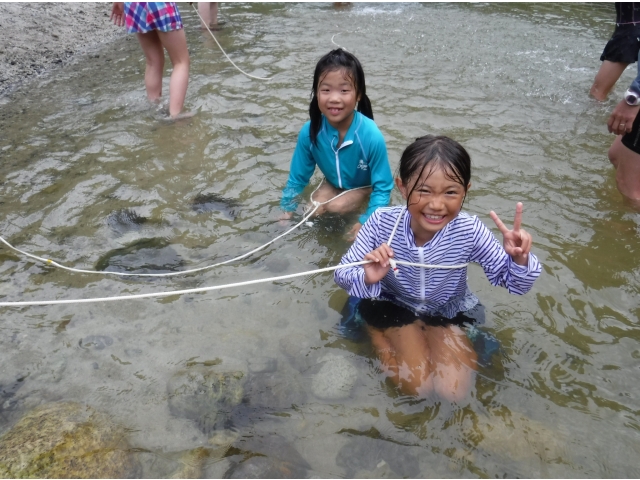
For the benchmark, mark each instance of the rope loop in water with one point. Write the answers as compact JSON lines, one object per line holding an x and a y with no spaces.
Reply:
{"x":222,"y":49}
{"x":307,"y":215}
{"x":316,"y":204}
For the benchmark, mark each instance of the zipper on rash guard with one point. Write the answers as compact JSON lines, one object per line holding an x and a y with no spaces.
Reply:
{"x":344,"y":144}
{"x":422,"y":273}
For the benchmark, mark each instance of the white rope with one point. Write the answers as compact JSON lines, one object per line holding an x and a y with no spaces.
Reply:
{"x":308,"y":214}
{"x":409,"y":264}
{"x":395,"y":227}
{"x":207,"y":289}
{"x":216,"y":287}
{"x":178,"y":292}
{"x":336,"y":43}
{"x":222,"y":50}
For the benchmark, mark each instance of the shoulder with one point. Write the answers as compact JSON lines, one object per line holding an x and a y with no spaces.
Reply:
{"x":386,"y":217}
{"x":464,"y":218}
{"x":367,"y":129}
{"x":305,"y":129}
{"x":303,"y":135}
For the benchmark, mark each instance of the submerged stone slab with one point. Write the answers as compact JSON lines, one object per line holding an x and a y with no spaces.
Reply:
{"x":66,"y":440}
{"x":336,"y":378}
{"x":205,"y":395}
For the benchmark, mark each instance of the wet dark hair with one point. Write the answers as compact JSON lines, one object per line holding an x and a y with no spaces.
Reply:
{"x":338,"y":59}
{"x":435,"y":151}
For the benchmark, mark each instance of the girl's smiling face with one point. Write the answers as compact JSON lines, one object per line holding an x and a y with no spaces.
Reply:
{"x":434,"y":200}
{"x":337,"y":99}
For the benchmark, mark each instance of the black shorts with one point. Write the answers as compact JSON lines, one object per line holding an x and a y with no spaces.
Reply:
{"x":624,"y":45}
{"x":631,"y":140}
{"x":384,"y":314}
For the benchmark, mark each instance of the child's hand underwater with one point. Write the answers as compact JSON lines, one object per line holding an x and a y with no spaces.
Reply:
{"x":284,"y":217}
{"x":375,"y":271}
{"x":517,"y":242}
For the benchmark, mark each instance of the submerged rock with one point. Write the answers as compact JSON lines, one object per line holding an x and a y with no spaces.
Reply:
{"x":382,"y":470}
{"x":8,"y":388}
{"x":277,"y":264}
{"x":336,"y":378}
{"x":263,"y":365}
{"x":66,"y":440}
{"x":193,"y":462}
{"x":279,"y":390}
{"x":125,"y":220}
{"x":298,"y":350}
{"x":142,"y":255}
{"x":206,"y":395}
{"x":370,"y":455}
{"x":522,"y":439}
{"x":270,"y":456}
{"x":214,"y":202}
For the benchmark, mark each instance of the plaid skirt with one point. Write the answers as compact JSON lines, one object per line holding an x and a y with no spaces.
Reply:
{"x":143,"y":17}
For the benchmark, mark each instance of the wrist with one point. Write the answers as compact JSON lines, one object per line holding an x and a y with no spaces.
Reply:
{"x":522,"y":260}
{"x":632,"y":98}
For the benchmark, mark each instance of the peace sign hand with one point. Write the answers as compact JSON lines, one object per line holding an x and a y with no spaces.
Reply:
{"x":517,"y":242}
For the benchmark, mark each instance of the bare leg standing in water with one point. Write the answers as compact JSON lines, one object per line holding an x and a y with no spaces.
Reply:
{"x":209,"y":13}
{"x":153,"y":45}
{"x":606,"y":78}
{"x":158,"y":27}
{"x":621,"y":49}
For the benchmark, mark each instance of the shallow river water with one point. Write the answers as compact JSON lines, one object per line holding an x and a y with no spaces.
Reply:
{"x":93,"y":177}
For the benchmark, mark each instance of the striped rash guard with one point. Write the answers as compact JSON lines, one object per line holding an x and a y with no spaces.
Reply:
{"x":360,"y":161}
{"x":433,"y":291}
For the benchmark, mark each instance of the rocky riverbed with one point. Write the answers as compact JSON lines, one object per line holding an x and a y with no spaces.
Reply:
{"x":40,"y":37}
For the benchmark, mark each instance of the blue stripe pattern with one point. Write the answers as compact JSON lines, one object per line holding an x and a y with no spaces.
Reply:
{"x":428,"y":290}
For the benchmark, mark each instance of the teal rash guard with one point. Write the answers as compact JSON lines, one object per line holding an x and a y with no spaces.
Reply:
{"x":360,"y":161}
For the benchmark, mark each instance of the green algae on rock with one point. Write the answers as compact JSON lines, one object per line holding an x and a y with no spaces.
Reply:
{"x":206,"y":395}
{"x":66,"y":440}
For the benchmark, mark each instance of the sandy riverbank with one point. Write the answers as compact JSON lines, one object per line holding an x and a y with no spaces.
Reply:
{"x":38,"y":37}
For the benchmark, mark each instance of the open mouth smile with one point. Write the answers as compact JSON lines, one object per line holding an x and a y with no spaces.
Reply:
{"x":433,"y":218}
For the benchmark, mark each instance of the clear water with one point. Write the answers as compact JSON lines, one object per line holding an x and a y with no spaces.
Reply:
{"x":92,"y":177}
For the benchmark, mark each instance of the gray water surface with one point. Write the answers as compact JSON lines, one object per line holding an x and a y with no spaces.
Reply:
{"x":93,"y":177}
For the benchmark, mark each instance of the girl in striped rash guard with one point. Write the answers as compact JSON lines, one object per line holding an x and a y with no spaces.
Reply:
{"x":414,"y":314}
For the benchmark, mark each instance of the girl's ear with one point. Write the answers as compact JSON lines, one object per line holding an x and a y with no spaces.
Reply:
{"x":401,"y":187}
{"x":468,"y":186}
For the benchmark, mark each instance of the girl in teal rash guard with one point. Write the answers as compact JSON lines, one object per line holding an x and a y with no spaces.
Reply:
{"x":343,"y":141}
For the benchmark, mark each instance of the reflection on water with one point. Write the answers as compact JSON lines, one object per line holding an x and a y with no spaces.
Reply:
{"x":92,"y":178}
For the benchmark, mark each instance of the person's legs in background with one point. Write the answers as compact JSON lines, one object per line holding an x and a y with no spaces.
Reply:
{"x":175,"y":42}
{"x":627,"y":164}
{"x":606,"y":78}
{"x":209,"y":13}
{"x":154,"y":55}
